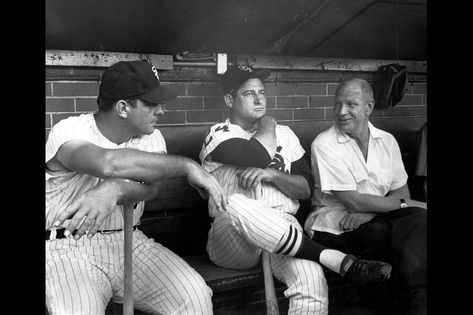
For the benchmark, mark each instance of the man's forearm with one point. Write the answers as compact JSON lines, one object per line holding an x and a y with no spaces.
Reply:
{"x":146,"y":167}
{"x":126,"y":191}
{"x":87,"y":158}
{"x":375,"y":204}
{"x":294,"y":186}
{"x":356,"y":202}
{"x":402,"y":192}
{"x":266,"y":134}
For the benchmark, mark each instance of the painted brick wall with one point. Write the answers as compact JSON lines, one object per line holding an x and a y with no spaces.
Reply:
{"x":200,"y":101}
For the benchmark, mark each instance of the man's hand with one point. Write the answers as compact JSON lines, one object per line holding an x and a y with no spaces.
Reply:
{"x":251,"y":177}
{"x":207,"y":186}
{"x":415,"y":203}
{"x":353,"y":220}
{"x":89,"y":210}
{"x":267,"y":123}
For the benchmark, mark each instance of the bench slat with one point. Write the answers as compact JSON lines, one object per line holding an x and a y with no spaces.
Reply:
{"x":221,"y":279}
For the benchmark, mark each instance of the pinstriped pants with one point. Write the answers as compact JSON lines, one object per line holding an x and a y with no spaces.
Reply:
{"x":237,"y":237}
{"x":82,"y":276}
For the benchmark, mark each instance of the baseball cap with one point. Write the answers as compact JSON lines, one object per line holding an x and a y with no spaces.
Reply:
{"x":133,"y":79}
{"x":235,"y":76}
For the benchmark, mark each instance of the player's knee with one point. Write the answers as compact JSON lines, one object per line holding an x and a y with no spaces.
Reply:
{"x":199,"y":299}
{"x":235,"y":200}
{"x":239,"y":204}
{"x":78,"y":306}
{"x":91,"y":301}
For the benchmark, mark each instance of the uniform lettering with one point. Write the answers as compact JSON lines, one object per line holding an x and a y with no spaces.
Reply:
{"x":224,"y":128}
{"x":278,"y":161}
{"x":207,"y":142}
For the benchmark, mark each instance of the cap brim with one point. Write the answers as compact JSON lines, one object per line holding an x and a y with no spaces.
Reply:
{"x":160,"y":95}
{"x":261,"y":74}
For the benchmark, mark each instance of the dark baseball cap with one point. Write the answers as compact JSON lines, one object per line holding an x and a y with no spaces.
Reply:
{"x":235,"y":76}
{"x":133,"y":79}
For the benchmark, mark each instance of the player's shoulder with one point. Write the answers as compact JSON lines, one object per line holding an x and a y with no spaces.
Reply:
{"x":153,"y":142}
{"x":155,"y":136}
{"x":221,"y":126}
{"x":225,"y":130}
{"x":285,"y":130}
{"x":77,"y":122}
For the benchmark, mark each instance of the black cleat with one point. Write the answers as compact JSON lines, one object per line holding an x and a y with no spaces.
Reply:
{"x":365,"y":271}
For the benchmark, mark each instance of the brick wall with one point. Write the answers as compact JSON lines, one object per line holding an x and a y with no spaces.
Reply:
{"x":291,"y":96}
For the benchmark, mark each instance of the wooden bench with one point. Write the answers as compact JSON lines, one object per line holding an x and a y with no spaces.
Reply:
{"x":178,"y":219}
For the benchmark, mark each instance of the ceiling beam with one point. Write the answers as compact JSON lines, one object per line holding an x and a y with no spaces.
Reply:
{"x":76,"y":58}
{"x":326,"y":64}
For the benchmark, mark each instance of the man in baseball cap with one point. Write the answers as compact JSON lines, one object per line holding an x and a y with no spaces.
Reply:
{"x":134,"y":79}
{"x":238,"y":75}
{"x":95,"y":164}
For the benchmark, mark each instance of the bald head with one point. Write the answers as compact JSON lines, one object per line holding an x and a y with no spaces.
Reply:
{"x":356,"y":86}
{"x":353,"y":105}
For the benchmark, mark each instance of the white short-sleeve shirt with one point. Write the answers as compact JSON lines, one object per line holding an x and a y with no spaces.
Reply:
{"x":338,"y":164}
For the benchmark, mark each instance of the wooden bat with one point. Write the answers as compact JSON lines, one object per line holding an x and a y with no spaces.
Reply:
{"x":269,"y":290}
{"x":128,"y":270}
{"x":272,"y":307}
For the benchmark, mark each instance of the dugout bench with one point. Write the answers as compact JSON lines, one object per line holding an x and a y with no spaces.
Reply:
{"x":178,"y":219}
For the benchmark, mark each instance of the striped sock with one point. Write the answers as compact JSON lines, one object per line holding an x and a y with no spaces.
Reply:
{"x":290,"y":242}
{"x":309,"y":249}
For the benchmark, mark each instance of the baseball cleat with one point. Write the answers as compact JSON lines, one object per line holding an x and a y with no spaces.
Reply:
{"x":365,"y":271}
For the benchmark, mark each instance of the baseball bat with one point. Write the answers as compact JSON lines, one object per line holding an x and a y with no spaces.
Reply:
{"x":272,"y":307}
{"x":128,"y":270}
{"x":269,"y":290}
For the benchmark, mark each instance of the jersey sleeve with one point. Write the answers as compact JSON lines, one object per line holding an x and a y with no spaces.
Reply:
{"x":62,"y":132}
{"x":332,"y":172}
{"x":296,"y":151}
{"x":217,"y":134}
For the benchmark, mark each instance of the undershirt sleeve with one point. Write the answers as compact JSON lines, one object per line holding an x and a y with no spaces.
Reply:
{"x":241,"y":152}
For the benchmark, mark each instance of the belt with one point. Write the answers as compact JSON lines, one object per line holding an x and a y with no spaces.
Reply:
{"x":60,"y":232}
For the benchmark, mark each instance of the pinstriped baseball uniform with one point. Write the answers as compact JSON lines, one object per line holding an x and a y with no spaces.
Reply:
{"x":83,"y":275}
{"x":237,"y":236}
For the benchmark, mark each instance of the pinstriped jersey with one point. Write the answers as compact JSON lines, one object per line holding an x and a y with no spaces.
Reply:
{"x":288,"y":150}
{"x":64,"y":187}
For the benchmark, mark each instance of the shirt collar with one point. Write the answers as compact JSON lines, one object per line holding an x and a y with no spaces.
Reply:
{"x":342,"y":137}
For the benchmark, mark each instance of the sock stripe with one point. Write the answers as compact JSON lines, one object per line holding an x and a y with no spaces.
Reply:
{"x":286,"y":242}
{"x":293,"y":243}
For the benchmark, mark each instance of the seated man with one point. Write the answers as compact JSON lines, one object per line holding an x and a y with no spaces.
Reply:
{"x":93,"y":165}
{"x":254,"y":158}
{"x":361,"y":202}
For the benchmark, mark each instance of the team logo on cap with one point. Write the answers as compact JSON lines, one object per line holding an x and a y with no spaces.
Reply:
{"x":245,"y":68}
{"x":155,"y":72}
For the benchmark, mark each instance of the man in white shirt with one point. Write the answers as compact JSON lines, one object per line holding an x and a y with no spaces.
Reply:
{"x":361,"y":202}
